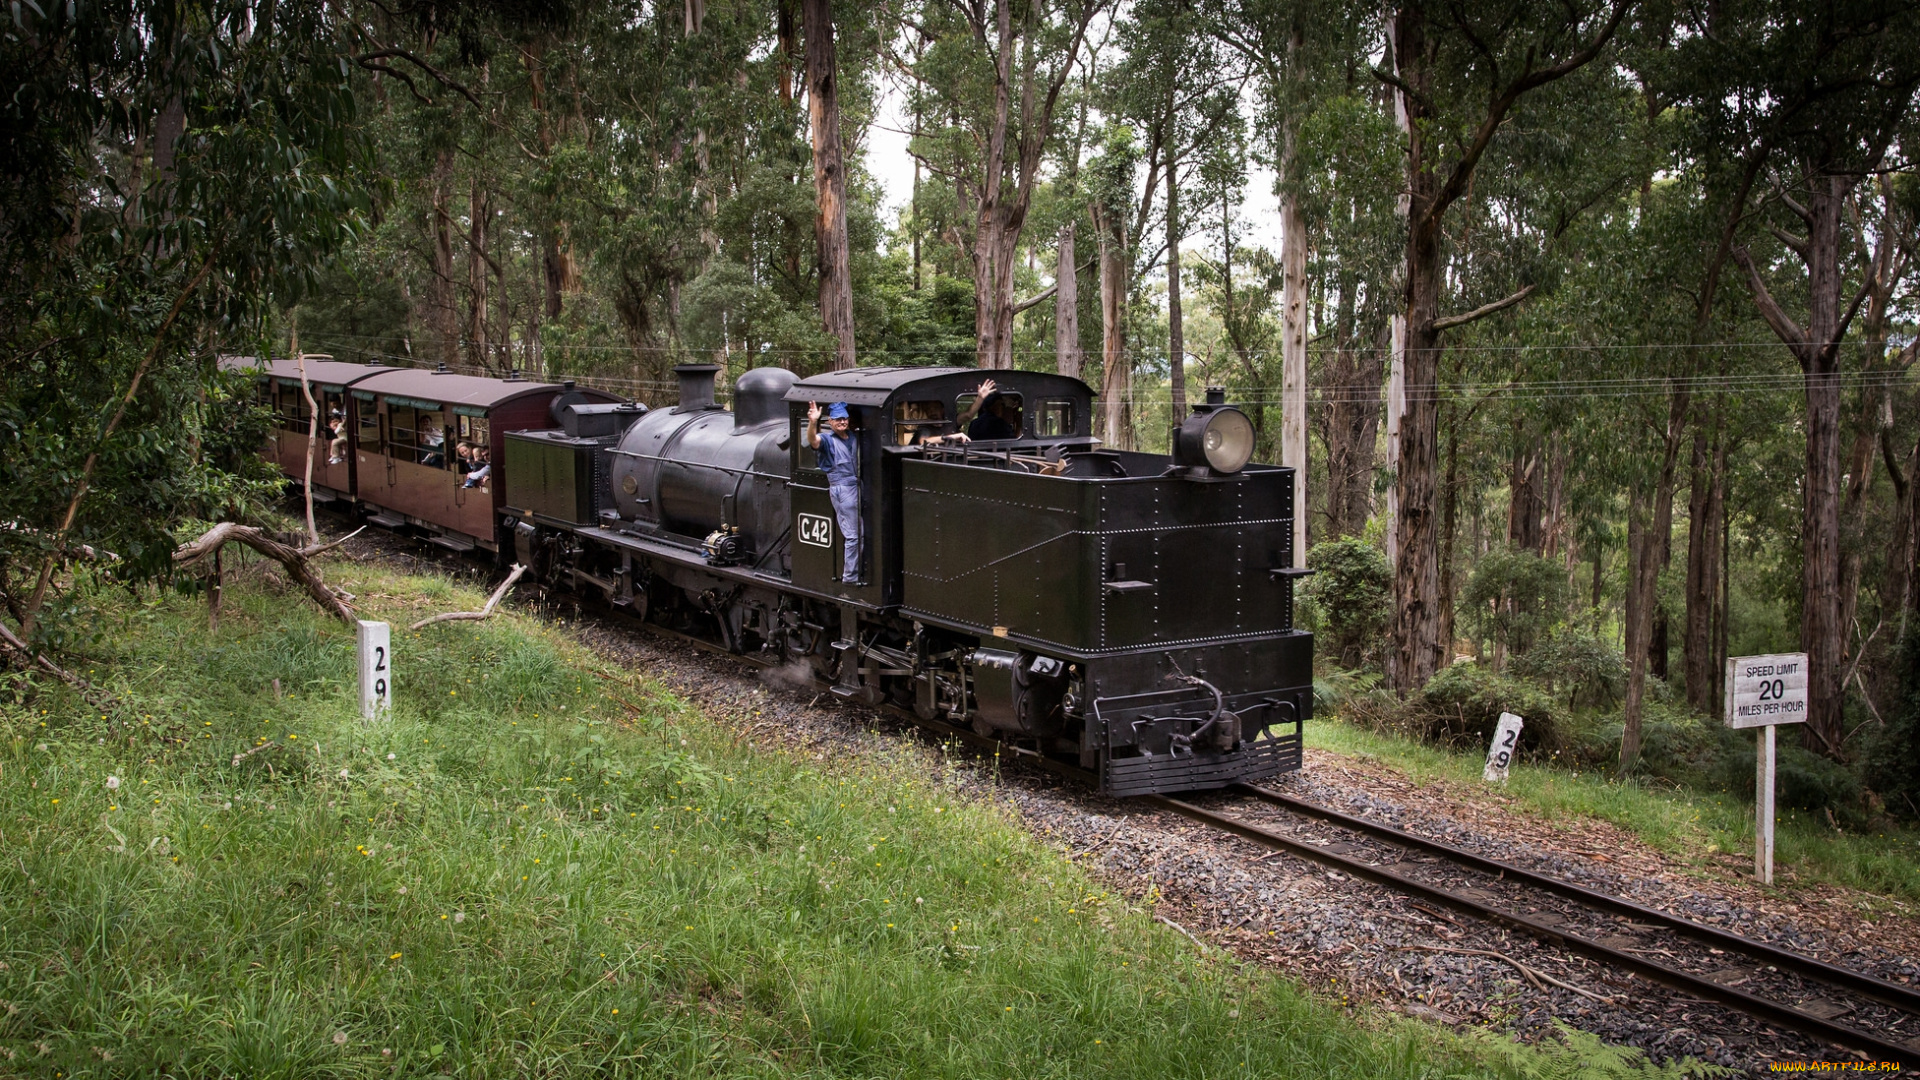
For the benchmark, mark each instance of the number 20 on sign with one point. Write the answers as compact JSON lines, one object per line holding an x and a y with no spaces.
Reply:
{"x":376,"y":668}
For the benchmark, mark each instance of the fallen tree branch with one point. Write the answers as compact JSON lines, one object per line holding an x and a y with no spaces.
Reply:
{"x":245,"y":754}
{"x":92,"y":694}
{"x":475,"y":616}
{"x":316,"y":549}
{"x":1532,"y":975}
{"x":294,"y":559}
{"x":1182,"y":929}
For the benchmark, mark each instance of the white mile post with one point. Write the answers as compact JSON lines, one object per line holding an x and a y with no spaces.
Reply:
{"x":376,"y":669}
{"x":1763,"y":692}
{"x":1506,"y":737}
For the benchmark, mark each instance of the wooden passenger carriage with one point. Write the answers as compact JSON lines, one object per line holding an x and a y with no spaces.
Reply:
{"x":402,"y":426}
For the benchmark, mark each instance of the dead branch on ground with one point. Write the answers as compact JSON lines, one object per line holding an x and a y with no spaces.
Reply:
{"x":295,"y":560}
{"x":475,"y":616}
{"x":93,"y":695}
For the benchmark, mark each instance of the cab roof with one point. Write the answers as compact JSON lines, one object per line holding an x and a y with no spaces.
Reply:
{"x":878,"y":385}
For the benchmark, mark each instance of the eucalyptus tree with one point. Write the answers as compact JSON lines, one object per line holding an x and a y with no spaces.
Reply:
{"x":1347,"y":193}
{"x":1460,"y":73}
{"x":1808,"y":99}
{"x":1177,"y":85}
{"x":1238,"y":284}
{"x":992,"y":75}
{"x":829,"y":181}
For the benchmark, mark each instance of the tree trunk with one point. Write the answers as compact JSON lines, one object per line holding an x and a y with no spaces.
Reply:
{"x":1418,"y":649}
{"x":1703,"y":567}
{"x":313,"y":427}
{"x":829,"y":181}
{"x":1353,"y":426}
{"x":1066,"y":307}
{"x":1646,"y":542}
{"x":1449,"y":517}
{"x":477,"y":213}
{"x":440,"y":295}
{"x":1116,"y":380}
{"x":1817,"y":347}
{"x":993,"y":257}
{"x":553,"y":276}
{"x":1523,"y":503}
{"x":1551,"y":532}
{"x":783,"y":30}
{"x":1293,"y":355}
{"x":1176,"y":331}
{"x":1433,"y":185}
{"x":1637,"y":625}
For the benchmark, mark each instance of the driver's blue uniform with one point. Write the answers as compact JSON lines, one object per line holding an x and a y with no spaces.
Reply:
{"x":838,"y":455}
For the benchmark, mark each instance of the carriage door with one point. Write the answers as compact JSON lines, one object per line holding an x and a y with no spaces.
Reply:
{"x":365,"y":417}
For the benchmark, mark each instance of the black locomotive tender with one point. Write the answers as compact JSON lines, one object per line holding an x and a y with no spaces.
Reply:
{"x":1132,"y":610}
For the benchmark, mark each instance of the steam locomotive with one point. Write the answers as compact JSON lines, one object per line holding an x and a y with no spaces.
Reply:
{"x":1130,"y":611}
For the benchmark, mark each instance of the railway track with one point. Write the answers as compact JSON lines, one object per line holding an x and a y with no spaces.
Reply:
{"x":1872,"y":1017}
{"x":1850,"y":1009}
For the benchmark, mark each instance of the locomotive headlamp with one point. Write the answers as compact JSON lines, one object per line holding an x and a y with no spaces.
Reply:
{"x":1219,"y":437}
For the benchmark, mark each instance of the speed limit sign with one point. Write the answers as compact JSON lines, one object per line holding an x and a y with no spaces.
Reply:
{"x":1764,"y":692}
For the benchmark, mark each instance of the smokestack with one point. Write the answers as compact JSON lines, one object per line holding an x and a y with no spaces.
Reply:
{"x":696,"y":386}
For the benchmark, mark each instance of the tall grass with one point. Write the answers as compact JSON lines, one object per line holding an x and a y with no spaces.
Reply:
{"x":540,"y":868}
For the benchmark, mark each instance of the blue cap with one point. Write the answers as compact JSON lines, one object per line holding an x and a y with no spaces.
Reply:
{"x":837,"y":411}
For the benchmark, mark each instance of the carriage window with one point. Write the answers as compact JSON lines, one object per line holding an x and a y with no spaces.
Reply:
{"x":335,"y":405}
{"x":1055,"y":418}
{"x":473,"y":429}
{"x":291,"y":412}
{"x":916,"y":420}
{"x":400,"y":437}
{"x":369,"y":432}
{"x":433,"y":440}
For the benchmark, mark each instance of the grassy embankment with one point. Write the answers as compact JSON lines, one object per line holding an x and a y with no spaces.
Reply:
{"x":537,"y":870}
{"x":1682,"y":822}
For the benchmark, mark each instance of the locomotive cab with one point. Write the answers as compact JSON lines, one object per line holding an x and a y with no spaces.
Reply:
{"x":898,"y":414}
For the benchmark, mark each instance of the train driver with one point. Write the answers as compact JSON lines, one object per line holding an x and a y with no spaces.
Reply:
{"x":838,"y":456}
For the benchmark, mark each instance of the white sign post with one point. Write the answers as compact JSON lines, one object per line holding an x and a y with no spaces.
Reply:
{"x":376,"y":668}
{"x":1764,"y":692}
{"x":1506,"y":736}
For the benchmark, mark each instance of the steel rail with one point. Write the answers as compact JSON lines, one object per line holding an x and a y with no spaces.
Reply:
{"x":1887,"y":993}
{"x":1873,"y":1046}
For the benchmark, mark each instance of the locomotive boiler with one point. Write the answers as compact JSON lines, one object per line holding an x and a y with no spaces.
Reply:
{"x":1130,"y":611}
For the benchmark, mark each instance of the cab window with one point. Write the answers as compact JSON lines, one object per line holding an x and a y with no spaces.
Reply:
{"x":917,"y":420}
{"x":1002,"y":418}
{"x":1054,"y":418}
